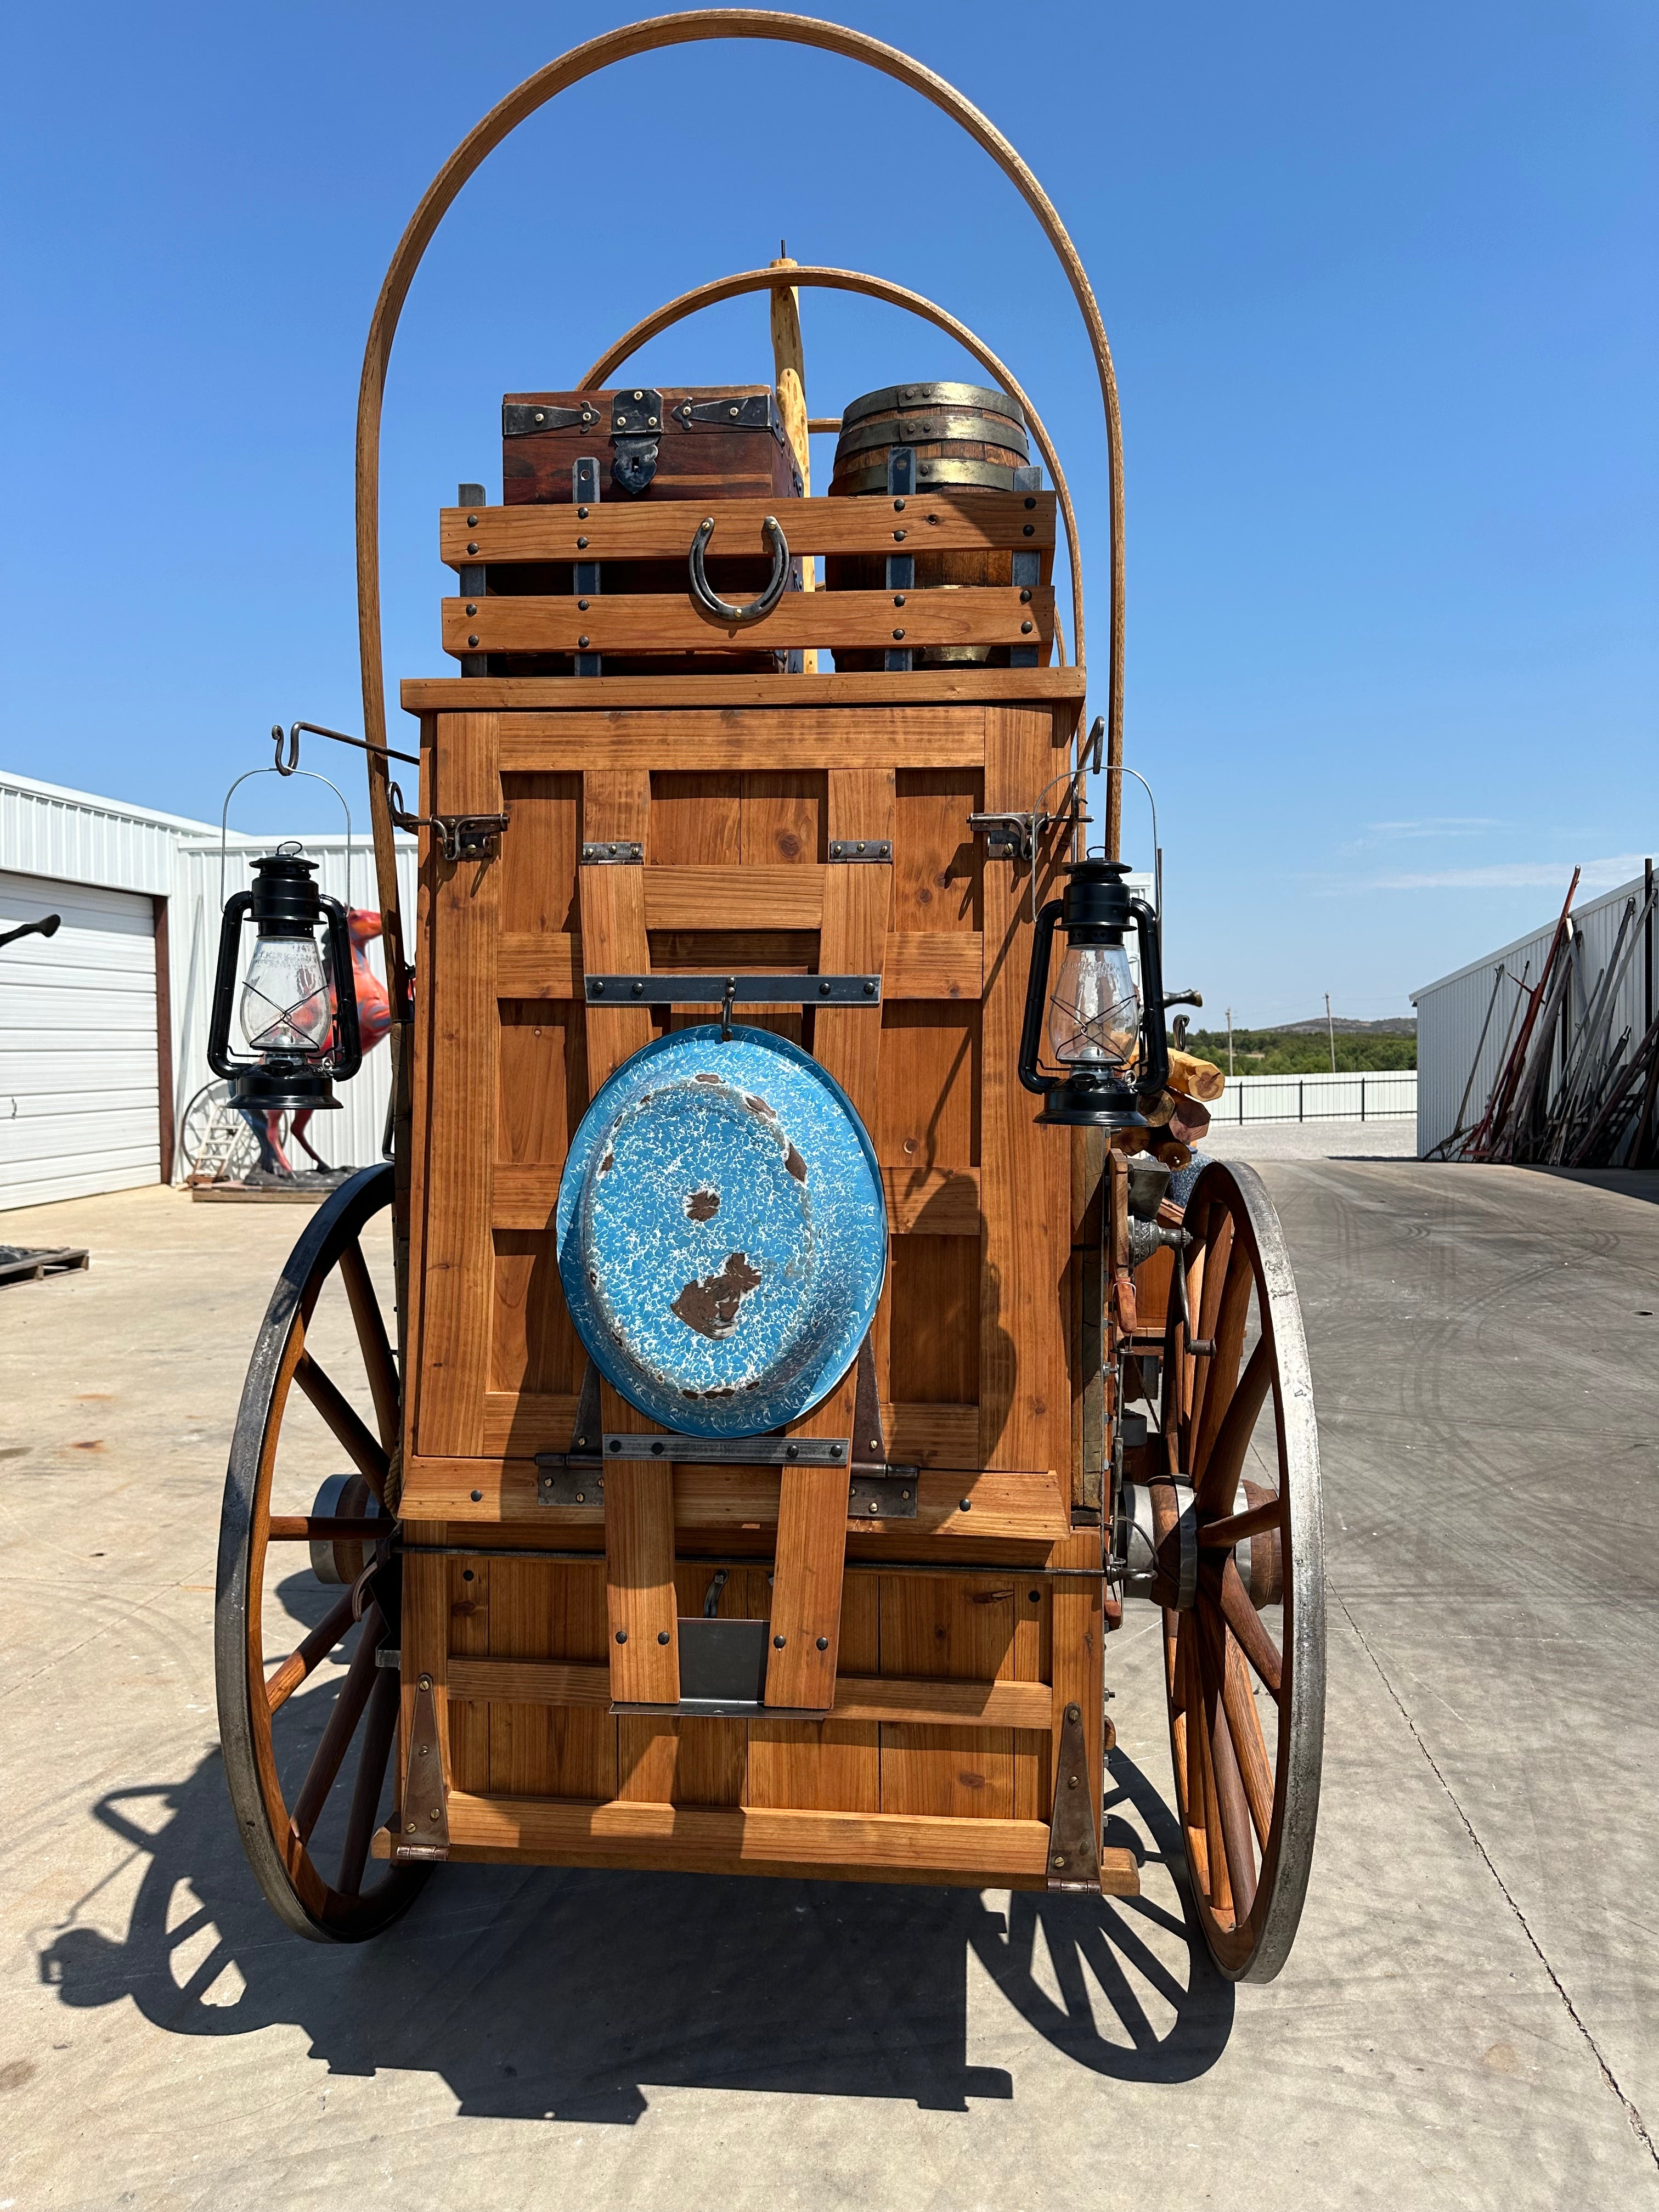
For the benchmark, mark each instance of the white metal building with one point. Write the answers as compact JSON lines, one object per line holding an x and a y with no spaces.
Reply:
{"x":1467,"y":1021}
{"x":103,"y":1027}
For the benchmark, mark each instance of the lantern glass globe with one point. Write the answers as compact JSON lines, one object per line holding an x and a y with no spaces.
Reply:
{"x":1094,"y":1009}
{"x":285,"y":1002}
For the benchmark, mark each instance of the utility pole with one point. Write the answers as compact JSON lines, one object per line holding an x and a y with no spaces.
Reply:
{"x":1229,"y":1039}
{"x":1330,"y":1032}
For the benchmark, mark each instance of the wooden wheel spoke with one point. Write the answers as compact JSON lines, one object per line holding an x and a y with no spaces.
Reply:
{"x":1232,"y":1807}
{"x":1217,"y":1480}
{"x":1232,"y":1314}
{"x":378,"y":1732}
{"x":350,"y":1428}
{"x":382,"y":1368}
{"x":1251,"y":1745}
{"x":299,"y":1664}
{"x":1234,"y":1527}
{"x":1245,"y":1622}
{"x":341,"y":1727}
{"x":1216,"y":1258}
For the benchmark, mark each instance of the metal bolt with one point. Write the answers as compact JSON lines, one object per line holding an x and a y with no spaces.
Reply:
{"x":583,"y":639}
{"x":875,"y":1443}
{"x":466,"y":1574}
{"x":1058,"y":1859}
{"x":779,"y":1641}
{"x":900,"y":535}
{"x":835,"y":1452}
{"x":898,"y":633}
{"x":472,"y":522}
{"x":581,"y":1498}
{"x":824,"y":990}
{"x":1025,"y":599}
{"x":869,"y":990}
{"x":477,"y":1498}
{"x":1024,"y":629}
{"x":471,"y":608}
{"x":582,"y":605}
{"x":473,"y":637}
{"x":823,"y":1644}
{"x":1074,"y":1712}
{"x":639,"y":992}
{"x":580,"y":1440}
{"x":662,"y":1635}
{"x":433,"y":1814}
{"x":599,"y":986}
{"x":423,"y":1681}
{"x":409,"y":1830}
{"x":904,"y":1493}
{"x":861,"y":840}
{"x":964,"y":1504}
{"x":651,"y":422}
{"x":540,"y":417}
{"x":622,"y":1636}
{"x":1071,"y":1779}
{"x":581,"y":542}
{"x":792,"y":1451}
{"x":898,"y":598}
{"x":875,"y":1507}
{"x":735,"y":413}
{"x":616,"y":1444}
{"x":581,"y":516}
{"x":1035,"y":1596}
{"x":639,"y":395}
{"x":1031,"y":503}
{"x":898,"y":507}
{"x":471,"y":545}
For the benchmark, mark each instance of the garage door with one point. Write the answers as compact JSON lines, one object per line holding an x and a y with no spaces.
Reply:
{"x":79,"y":1107}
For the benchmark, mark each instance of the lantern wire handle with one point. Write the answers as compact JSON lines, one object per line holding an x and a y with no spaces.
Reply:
{"x":312,"y":776}
{"x":1122,"y":768}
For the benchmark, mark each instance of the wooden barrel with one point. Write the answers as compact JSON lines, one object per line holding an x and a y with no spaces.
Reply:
{"x":966,"y":438}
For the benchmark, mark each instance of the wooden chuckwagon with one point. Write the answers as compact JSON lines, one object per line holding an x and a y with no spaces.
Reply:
{"x":760,"y":1500}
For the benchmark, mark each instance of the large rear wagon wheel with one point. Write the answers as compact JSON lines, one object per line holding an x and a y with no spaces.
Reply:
{"x":308,"y":1728}
{"x":1241,"y":1552}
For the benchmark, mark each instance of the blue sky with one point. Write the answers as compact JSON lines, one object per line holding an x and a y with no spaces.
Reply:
{"x":1380,"y":284}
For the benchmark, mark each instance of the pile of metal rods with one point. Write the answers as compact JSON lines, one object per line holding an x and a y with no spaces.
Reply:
{"x":1572,"y":1093}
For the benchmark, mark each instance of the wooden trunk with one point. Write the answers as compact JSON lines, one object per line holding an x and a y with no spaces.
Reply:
{"x":925,"y":1713}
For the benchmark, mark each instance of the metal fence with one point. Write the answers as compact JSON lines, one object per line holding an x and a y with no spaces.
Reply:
{"x":1370,"y":1097}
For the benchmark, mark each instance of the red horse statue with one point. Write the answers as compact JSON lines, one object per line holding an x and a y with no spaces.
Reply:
{"x":374,"y":1020}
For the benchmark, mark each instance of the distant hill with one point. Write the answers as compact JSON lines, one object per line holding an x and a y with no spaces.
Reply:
{"x":1396,"y":1025}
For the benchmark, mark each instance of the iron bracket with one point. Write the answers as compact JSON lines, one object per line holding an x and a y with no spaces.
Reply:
{"x":848,"y":852}
{"x":668,"y":990}
{"x":731,"y":1451}
{"x":461,"y":836}
{"x":522,"y":421}
{"x":624,"y":853}
{"x":569,"y":1478}
{"x":757,"y":412}
{"x":423,"y":1808}
{"x":1008,"y":836}
{"x":1074,"y":1825}
{"x":882,"y":1493}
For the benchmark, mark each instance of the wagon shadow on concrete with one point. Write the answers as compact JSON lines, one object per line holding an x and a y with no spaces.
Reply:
{"x":566,"y":1994}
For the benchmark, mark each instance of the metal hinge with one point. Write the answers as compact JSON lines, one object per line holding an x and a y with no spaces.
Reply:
{"x":422,"y":1825}
{"x":1075,"y":1826}
{"x":622,"y":854}
{"x":757,"y":412}
{"x":521,"y":421}
{"x":848,"y":850}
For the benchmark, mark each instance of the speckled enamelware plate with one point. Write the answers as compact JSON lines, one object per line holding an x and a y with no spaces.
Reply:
{"x":722,"y":1231}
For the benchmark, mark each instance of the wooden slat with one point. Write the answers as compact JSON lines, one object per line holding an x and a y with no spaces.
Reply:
{"x":930,"y":685}
{"x":916,"y":965}
{"x":738,"y":738}
{"x":920,"y":1201}
{"x":1020,"y":1505}
{"x":616,"y":805}
{"x":452,"y":1363}
{"x":971,"y":614}
{"x":725,"y":898}
{"x":1005,"y":1705}
{"x":1025,"y":1169}
{"x":639,"y":1573}
{"x":918,"y":1433}
{"x":660,"y":530}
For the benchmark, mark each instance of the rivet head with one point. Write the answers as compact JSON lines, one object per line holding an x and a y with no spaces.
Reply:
{"x":1026,"y":530}
{"x":778,"y":1641}
{"x":471,"y":545}
{"x":622,"y":1636}
{"x":471,"y":608}
{"x":651,"y":422}
{"x":1025,"y":599}
{"x":1074,"y":1712}
{"x":477,"y":1498}
{"x":582,"y":640}
{"x":639,"y":395}
{"x":823,"y":1644}
{"x":898,"y":507}
{"x":599,"y":986}
{"x":473,"y":637}
{"x":581,"y":516}
{"x":835,"y":1452}
{"x":824,"y":990}
{"x":466,"y":1574}
{"x":869,"y":990}
{"x":662,"y":1635}
{"x":540,"y":417}
{"x":582,"y":606}
{"x":899,"y":536}
{"x":472,"y":522}
{"x":1031,"y":503}
{"x":616,"y":1444}
{"x":790,"y":1451}
{"x":1026,"y":629}
{"x":1035,"y":1596}
{"x":581,"y":542}
{"x":898,"y":633}
{"x":964,"y":1504}
{"x":735,"y":413}
{"x":898,"y":598}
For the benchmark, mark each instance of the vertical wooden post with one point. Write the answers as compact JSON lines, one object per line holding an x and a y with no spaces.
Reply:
{"x":789,"y":375}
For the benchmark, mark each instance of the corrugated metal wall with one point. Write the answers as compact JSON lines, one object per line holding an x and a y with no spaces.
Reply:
{"x":78,"y":838}
{"x":1451,"y":1012}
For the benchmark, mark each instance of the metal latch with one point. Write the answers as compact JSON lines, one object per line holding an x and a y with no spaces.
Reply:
{"x":520,"y":420}
{"x":637,"y":432}
{"x":1007,"y":837}
{"x":461,"y":836}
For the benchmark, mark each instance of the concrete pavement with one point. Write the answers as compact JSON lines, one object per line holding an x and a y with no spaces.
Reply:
{"x":1468,"y":2017}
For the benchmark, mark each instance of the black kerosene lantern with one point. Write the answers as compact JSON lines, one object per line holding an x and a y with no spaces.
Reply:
{"x":1112,"y":1052}
{"x":304,"y":1034}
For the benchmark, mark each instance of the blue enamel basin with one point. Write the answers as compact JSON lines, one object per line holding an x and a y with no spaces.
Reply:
{"x":722,"y":1231}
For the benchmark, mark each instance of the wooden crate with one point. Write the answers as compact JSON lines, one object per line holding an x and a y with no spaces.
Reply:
{"x":956,"y":1642}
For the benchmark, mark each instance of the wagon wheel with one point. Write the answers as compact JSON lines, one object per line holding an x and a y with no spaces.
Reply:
{"x":308,"y":1744}
{"x":1238,"y":1425}
{"x":214,"y":1137}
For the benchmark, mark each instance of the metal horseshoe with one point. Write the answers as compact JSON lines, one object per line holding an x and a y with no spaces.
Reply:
{"x":722,"y":610}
